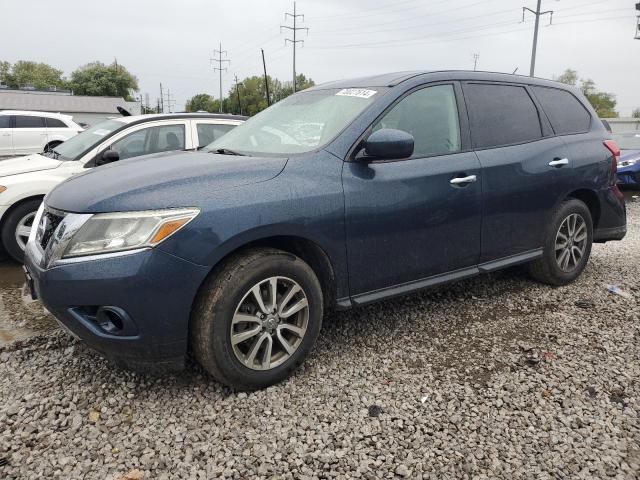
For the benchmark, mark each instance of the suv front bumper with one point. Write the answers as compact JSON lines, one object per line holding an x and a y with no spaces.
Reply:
{"x":133,"y":308}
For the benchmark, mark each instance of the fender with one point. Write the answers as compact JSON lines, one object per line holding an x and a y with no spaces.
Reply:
{"x":34,"y":184}
{"x":58,"y":137}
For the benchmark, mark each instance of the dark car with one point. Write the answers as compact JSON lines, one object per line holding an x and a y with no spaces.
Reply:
{"x":629,"y":163}
{"x":338,"y":196}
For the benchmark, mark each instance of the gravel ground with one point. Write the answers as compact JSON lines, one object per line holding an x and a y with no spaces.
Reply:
{"x":495,"y":377}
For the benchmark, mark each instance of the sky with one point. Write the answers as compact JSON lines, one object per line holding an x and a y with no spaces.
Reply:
{"x":172,"y":41}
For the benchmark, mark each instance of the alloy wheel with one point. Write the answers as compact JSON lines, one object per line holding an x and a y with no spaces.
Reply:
{"x":269,"y":323}
{"x":23,"y":230}
{"x":571,"y":242}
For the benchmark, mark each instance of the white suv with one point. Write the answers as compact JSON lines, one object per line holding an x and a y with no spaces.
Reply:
{"x":26,"y":180}
{"x":24,"y":132}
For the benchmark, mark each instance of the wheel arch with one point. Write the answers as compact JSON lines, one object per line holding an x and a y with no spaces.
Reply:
{"x":17,"y":204}
{"x":308,"y":250}
{"x":591,"y":200}
{"x":52,"y":143}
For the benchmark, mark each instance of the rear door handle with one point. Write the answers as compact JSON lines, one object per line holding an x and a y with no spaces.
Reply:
{"x":459,"y":180}
{"x":559,"y":162}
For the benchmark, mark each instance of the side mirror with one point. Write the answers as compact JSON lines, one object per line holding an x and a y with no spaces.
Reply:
{"x":388,"y":143}
{"x":108,"y":156}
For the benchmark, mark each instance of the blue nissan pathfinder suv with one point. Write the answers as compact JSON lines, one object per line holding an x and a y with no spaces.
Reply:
{"x":340,"y":195}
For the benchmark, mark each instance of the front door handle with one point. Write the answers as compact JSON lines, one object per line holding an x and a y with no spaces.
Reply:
{"x":559,"y":162}
{"x":459,"y":180}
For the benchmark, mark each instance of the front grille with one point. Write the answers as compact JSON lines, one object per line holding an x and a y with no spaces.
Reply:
{"x":47,"y":227}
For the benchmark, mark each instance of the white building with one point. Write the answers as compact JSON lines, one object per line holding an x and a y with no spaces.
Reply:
{"x":622,"y":124}
{"x":83,"y":109}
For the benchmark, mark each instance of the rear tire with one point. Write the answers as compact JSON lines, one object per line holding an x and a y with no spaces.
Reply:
{"x":567,"y":245}
{"x":227,"y":309}
{"x":14,"y":234}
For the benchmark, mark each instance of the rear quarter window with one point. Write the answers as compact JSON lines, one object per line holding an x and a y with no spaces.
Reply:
{"x":55,"y":123}
{"x":501,"y":115}
{"x":565,"y":112}
{"x":5,"y":121}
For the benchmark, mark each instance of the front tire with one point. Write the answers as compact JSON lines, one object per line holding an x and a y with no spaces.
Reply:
{"x":50,"y":146}
{"x":567,"y":245}
{"x":17,"y":226}
{"x":256,"y":318}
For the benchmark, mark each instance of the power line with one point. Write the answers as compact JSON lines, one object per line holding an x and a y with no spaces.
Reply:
{"x":384,"y":11}
{"x":419,"y":39}
{"x":294,"y":42}
{"x":538,"y":14}
{"x":446,"y":36}
{"x":220,"y":53}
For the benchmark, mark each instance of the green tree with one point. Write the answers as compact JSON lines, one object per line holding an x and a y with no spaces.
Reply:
{"x":5,"y":70}
{"x":604,"y":103}
{"x":570,"y":77}
{"x":202,"y":102}
{"x":253,"y":95}
{"x":98,"y":79}
{"x":635,"y":113}
{"x":38,"y":75}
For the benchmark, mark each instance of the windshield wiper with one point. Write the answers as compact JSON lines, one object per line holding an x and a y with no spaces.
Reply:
{"x":226,"y":151}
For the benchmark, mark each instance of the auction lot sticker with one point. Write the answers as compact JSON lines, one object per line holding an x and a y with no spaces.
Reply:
{"x":356,"y":92}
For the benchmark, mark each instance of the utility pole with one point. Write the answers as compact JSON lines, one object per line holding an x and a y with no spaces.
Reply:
{"x":238,"y":93}
{"x":476,"y":56}
{"x":169,"y":101}
{"x":220,"y":60}
{"x":538,"y":14}
{"x":161,"y":99}
{"x":294,"y":29}
{"x":266,"y":80}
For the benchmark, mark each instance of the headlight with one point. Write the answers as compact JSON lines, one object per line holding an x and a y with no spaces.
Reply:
{"x":115,"y":232}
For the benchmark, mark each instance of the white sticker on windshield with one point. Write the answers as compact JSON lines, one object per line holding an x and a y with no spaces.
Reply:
{"x":356,"y":92}
{"x":101,"y":132}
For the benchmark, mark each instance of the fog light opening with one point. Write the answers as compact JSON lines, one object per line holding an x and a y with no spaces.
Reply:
{"x":110,"y":320}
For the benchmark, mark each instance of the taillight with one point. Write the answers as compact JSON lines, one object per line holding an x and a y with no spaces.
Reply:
{"x":613,"y":147}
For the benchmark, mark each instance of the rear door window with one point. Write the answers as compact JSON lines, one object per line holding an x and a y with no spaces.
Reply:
{"x":501,"y":115}
{"x":431,"y":116}
{"x":208,"y":132}
{"x":168,"y":138}
{"x":28,"y":121}
{"x":566,"y":114}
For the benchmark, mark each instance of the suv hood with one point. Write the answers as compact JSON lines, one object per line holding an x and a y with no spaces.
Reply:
{"x":166,"y":180}
{"x":30,"y":163}
{"x":624,"y":155}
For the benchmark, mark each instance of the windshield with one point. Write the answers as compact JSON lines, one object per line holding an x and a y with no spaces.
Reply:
{"x":300,"y":123}
{"x":628,"y":141}
{"x":73,"y":148}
